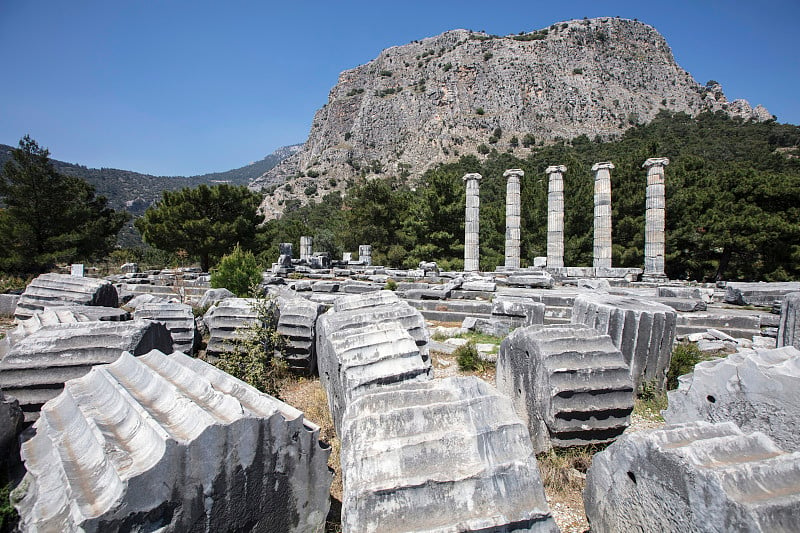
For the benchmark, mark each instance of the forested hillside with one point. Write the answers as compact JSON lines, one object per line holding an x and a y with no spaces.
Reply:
{"x":733,"y":203}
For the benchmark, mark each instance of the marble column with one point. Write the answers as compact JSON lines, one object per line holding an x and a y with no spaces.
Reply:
{"x":306,"y":247}
{"x":655,"y":208}
{"x":471,"y":223}
{"x":365,"y":254}
{"x":555,"y":216}
{"x":602,"y":214}
{"x":513,"y":176}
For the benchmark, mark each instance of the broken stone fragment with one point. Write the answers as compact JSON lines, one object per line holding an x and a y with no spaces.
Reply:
{"x":789,"y":326}
{"x":446,"y":455}
{"x":693,"y":477}
{"x":171,"y":443}
{"x":297,"y":322}
{"x":568,"y":383}
{"x":63,"y":289}
{"x":757,"y":390}
{"x":177,"y":318}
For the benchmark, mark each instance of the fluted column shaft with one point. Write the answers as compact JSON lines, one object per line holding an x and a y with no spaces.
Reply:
{"x":602,"y":214}
{"x":555,"y":216}
{"x":472,"y":223}
{"x":655,"y":219}
{"x":365,"y":254}
{"x":513,"y":219}
{"x":306,"y":246}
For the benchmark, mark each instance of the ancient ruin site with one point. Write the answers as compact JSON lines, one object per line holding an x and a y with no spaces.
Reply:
{"x":543,"y":281}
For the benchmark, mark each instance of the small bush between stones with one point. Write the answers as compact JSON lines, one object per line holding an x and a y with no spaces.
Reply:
{"x":684,"y":356}
{"x":467,"y":357}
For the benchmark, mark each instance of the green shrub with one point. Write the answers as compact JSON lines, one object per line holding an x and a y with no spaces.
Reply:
{"x":310,"y":190}
{"x":238,"y":272}
{"x":577,"y":71}
{"x":483,"y":149}
{"x":8,"y":515}
{"x":487,"y":56}
{"x":447,"y":66}
{"x":479,"y":111}
{"x":386,"y":73}
{"x":391,"y":285}
{"x":684,"y":357}
{"x":467,"y":357}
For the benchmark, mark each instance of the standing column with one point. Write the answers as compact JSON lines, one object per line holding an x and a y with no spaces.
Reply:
{"x":655,"y":208}
{"x":512,"y":216}
{"x":365,"y":254}
{"x":471,"y":223}
{"x":555,"y":216}
{"x":306,"y":245}
{"x":602,"y":214}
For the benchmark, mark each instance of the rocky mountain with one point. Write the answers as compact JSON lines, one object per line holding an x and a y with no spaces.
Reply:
{"x":432,"y":100}
{"x":135,"y":192}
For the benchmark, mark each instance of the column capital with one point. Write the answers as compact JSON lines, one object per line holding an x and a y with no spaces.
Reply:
{"x":556,"y":168}
{"x":472,"y":176}
{"x":518,"y":172}
{"x":656,"y":161}
{"x":602,"y":165}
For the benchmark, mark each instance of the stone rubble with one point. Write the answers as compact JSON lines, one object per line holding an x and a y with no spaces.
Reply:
{"x":446,"y":455}
{"x":63,"y":289}
{"x":35,"y":369}
{"x":170,"y":443}
{"x":693,"y":477}
{"x":569,"y":384}
{"x":755,"y":389}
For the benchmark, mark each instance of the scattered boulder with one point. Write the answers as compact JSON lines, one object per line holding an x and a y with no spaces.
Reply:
{"x":643,"y":331}
{"x":36,"y":367}
{"x":214,"y":296}
{"x":757,"y":390}
{"x":171,"y":443}
{"x":356,"y":360}
{"x":63,"y":289}
{"x":568,"y":383}
{"x":439,"y":456}
{"x":762,"y":294}
{"x":297,"y":322}
{"x":693,"y":477}
{"x":789,"y":326}
{"x":177,"y":318}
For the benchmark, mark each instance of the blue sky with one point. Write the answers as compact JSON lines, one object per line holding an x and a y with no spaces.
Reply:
{"x":181,"y":88}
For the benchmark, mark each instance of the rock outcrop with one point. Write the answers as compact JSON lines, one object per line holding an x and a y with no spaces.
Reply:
{"x":569,"y":383}
{"x":642,"y":330}
{"x":693,"y":477}
{"x":50,"y":290}
{"x":757,"y":390}
{"x":446,"y":455}
{"x":37,"y":366}
{"x":429,"y":101}
{"x":171,"y":443}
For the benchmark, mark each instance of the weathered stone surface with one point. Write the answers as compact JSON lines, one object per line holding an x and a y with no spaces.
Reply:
{"x":439,"y":456}
{"x":62,"y":289}
{"x":693,"y":477}
{"x":757,"y":390}
{"x":643,"y":331}
{"x":142,"y":299}
{"x":177,"y":318}
{"x":11,"y":419}
{"x":763,"y":294}
{"x":325,"y":286}
{"x":365,"y":254}
{"x":683,"y":304}
{"x":533,"y":279}
{"x":214,"y":296}
{"x":789,"y":326}
{"x":376,"y":307}
{"x":227,"y":324}
{"x":356,"y":360}
{"x":8,"y":304}
{"x":518,"y":311}
{"x":548,"y":87}
{"x":171,"y":443}
{"x":568,"y":383}
{"x":297,"y":323}
{"x":482,"y":285}
{"x":306,"y":247}
{"x":689,"y":293}
{"x":655,"y":220}
{"x":602,"y":214}
{"x":37,"y":366}
{"x":472,"y":252}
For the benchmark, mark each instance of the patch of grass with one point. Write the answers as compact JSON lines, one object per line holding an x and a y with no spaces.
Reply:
{"x":684,"y":356}
{"x":563,"y":470}
{"x":8,"y":515}
{"x":650,"y":407}
{"x":480,"y":338}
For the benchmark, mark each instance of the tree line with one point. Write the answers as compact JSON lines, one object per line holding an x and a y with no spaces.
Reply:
{"x":732,"y":198}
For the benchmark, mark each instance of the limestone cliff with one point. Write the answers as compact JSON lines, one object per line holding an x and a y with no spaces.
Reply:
{"x":431,"y":101}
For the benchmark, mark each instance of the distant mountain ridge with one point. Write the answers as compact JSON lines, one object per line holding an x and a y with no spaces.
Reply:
{"x":134,"y":191}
